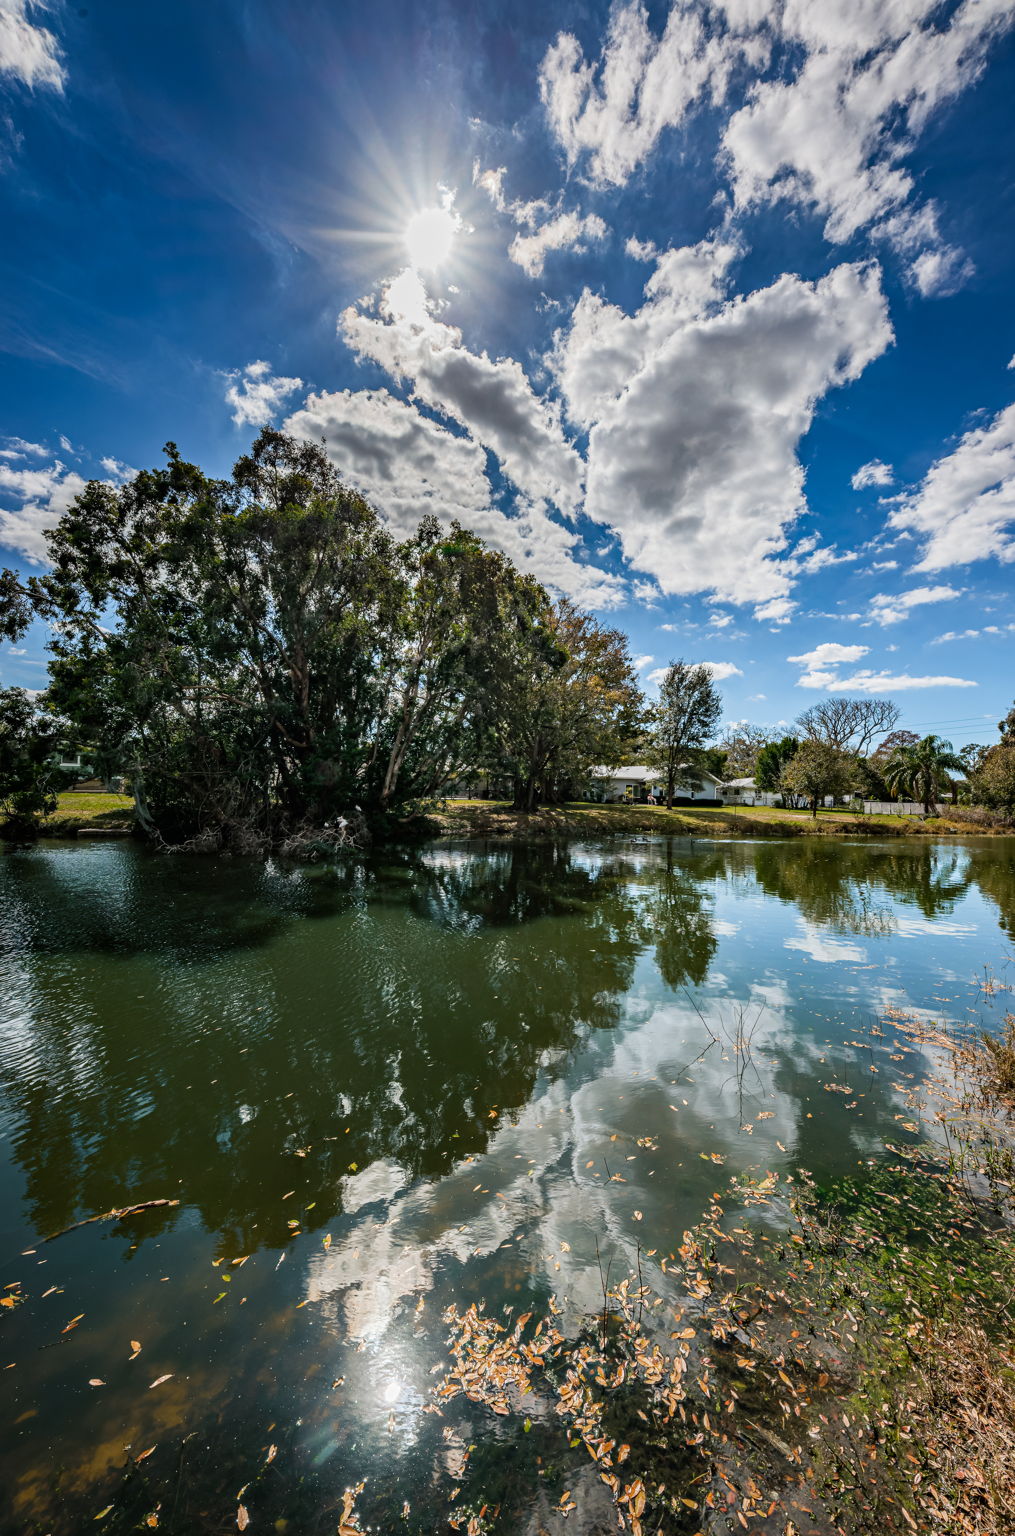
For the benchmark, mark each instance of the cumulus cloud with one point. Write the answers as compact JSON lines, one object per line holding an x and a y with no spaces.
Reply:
{"x":696,"y":405}
{"x":492,"y":398}
{"x":893,"y":608}
{"x":966,"y":502}
{"x":28,"y":52}
{"x":612,"y":111}
{"x":408,"y":466}
{"x":257,"y":395}
{"x":874,"y":473}
{"x":820,"y":664}
{"x":491,"y":182}
{"x":565,"y":232}
{"x":856,"y":83}
{"x":871,"y":75}
{"x":38,"y":498}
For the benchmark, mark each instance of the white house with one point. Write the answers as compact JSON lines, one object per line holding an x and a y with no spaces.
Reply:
{"x":746,"y":792}
{"x":638,"y":783}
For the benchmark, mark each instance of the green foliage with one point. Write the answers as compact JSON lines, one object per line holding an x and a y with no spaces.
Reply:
{"x":921,"y":770}
{"x":771,"y":761}
{"x":29,"y":777}
{"x":260,"y":657}
{"x":818,"y":769}
{"x":994,"y":782}
{"x":569,"y":700}
{"x":684,"y":720}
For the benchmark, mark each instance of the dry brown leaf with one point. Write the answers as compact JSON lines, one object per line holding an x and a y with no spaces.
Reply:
{"x":242,"y":1518}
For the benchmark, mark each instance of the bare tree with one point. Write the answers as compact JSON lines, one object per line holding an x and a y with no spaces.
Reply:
{"x":849,"y":725}
{"x":742,"y":743}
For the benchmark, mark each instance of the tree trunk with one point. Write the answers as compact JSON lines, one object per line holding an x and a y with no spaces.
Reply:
{"x":814,"y":806}
{"x":670,"y":781}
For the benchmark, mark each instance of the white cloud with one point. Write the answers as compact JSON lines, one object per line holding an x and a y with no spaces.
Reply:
{"x":889,"y":682}
{"x":491,"y":182}
{"x":720,"y":670}
{"x":884,"y":565}
{"x":967,"y":500}
{"x":409,"y":466}
{"x":720,"y":620}
{"x":893,"y":608}
{"x":818,"y":662}
{"x":256,"y":394}
{"x":492,"y":398}
{"x":936,"y":268}
{"x":18,"y":448}
{"x":566,"y":232}
{"x":871,"y":76}
{"x":874,"y":473}
{"x":28,"y":52}
{"x":707,"y":506}
{"x":614,"y":111}
{"x":778,"y":610}
{"x":641,"y":662}
{"x":41,"y":496}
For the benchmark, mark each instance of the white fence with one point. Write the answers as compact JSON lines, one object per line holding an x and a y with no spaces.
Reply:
{"x":896,"y":808}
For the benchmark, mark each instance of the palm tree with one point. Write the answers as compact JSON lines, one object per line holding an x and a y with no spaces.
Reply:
{"x":920,"y":770}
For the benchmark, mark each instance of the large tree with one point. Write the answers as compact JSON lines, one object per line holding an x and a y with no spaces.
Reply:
{"x":261,"y":655}
{"x":922,"y":770}
{"x":851,"y":725}
{"x":818,"y":769}
{"x":684,"y":720}
{"x":572,"y":701}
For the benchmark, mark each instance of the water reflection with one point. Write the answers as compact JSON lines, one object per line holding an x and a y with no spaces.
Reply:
{"x":448,"y":1073}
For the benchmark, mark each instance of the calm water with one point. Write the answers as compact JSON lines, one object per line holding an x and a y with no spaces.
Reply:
{"x":391,"y":1085}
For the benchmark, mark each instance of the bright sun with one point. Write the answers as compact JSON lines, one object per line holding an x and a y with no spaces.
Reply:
{"x":429,"y":236}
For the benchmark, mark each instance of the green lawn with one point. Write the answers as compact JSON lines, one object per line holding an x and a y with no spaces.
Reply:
{"x":75,"y":811}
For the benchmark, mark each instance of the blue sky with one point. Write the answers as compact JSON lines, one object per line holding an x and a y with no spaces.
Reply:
{"x":702,"y":312}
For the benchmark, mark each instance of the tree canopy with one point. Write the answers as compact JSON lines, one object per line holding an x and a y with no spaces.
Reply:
{"x":264,"y":660}
{"x":684,"y":720}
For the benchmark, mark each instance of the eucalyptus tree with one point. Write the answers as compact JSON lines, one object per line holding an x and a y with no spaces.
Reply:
{"x":574,"y":702}
{"x":921,"y":769}
{"x":259,"y":652}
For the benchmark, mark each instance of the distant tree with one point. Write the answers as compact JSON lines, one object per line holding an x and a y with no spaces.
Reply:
{"x":993,"y":783}
{"x":688,"y":712}
{"x":30,"y":779}
{"x":818,"y":769}
{"x":714,"y":760}
{"x":973,"y":754}
{"x":922,"y":770}
{"x":772,"y":760}
{"x":848,"y":724}
{"x":742,"y":744}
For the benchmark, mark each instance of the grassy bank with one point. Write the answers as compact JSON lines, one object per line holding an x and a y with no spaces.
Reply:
{"x":489,"y":818}
{"x":75,"y":812}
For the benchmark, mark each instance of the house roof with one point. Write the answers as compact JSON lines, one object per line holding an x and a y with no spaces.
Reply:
{"x":739,"y":784}
{"x":639,"y":773}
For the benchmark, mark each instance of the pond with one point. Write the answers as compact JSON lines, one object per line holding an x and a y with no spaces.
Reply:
{"x":376,"y":1088}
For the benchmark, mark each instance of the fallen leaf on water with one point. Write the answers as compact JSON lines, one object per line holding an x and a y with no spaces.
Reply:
{"x":326,"y":1240}
{"x":73,"y":1323}
{"x":637,"y":1215}
{"x":104,"y":1512}
{"x":159,"y":1380}
{"x":242,"y":1518}
{"x":96,"y":1381}
{"x":272,"y":1453}
{"x":145,"y":1454}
